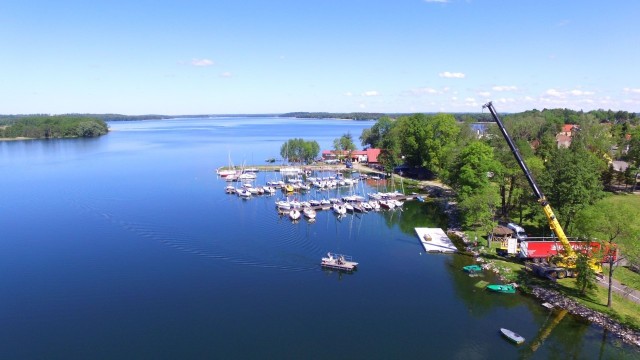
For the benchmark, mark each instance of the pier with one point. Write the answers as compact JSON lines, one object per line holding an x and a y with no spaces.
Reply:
{"x":435,"y":240}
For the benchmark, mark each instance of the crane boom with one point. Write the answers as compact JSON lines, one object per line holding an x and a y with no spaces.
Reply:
{"x":553,"y":221}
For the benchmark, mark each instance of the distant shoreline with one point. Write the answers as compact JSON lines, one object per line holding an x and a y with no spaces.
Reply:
{"x":17,"y":139}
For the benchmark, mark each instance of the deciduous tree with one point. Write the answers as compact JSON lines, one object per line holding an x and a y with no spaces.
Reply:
{"x":615,"y":224}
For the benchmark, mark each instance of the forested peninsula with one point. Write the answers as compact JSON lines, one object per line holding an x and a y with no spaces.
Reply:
{"x":49,"y":127}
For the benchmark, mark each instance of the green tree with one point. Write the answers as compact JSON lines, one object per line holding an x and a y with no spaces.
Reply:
{"x":299,"y":150}
{"x":571,"y":182}
{"x":586,"y":277}
{"x":473,"y":169}
{"x":61,"y":126}
{"x":478,"y":209}
{"x":344,"y":144}
{"x":616,"y":225}
{"x":425,"y":140}
{"x":373,"y":136}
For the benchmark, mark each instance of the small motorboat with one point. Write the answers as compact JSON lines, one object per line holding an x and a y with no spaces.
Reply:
{"x":506,"y":289}
{"x":512,"y":336}
{"x":294,"y":214}
{"x":339,"y":209}
{"x":338,"y":262}
{"x":309,"y":213}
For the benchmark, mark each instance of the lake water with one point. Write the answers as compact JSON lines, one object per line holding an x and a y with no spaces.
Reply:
{"x":126,"y":246}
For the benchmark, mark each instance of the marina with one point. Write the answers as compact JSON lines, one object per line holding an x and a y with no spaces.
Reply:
{"x":316,"y":189}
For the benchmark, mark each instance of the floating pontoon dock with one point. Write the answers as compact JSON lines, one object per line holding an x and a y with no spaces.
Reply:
{"x":435,"y":240}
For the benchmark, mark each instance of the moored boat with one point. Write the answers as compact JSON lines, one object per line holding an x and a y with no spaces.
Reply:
{"x":472,"y":268}
{"x":309,"y":213}
{"x":294,"y":214}
{"x":243,"y":193}
{"x":512,"y":336}
{"x":506,"y":289}
{"x":339,"y":209}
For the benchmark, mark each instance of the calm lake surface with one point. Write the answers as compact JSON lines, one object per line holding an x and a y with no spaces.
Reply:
{"x":126,"y":246}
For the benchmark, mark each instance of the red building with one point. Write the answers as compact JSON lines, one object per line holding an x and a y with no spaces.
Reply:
{"x":360,"y":156}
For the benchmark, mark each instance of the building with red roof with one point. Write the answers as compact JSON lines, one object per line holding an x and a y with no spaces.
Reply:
{"x":361,"y":156}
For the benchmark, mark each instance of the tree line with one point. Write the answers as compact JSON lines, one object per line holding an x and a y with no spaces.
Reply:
{"x":61,"y":126}
{"x":487,"y":180}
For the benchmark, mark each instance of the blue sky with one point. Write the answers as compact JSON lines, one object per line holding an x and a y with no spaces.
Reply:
{"x":259,"y":56}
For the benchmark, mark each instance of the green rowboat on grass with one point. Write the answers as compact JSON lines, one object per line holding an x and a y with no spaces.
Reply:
{"x":472,"y":268}
{"x":506,"y":289}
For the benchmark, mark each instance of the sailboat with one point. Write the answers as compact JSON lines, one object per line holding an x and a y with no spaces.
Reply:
{"x":231,"y":171}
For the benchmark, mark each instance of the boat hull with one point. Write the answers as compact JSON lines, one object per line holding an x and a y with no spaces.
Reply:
{"x":512,"y":336}
{"x":505,"y":289}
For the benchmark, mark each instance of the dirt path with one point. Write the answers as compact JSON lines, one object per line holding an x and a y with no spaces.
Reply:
{"x":625,"y":291}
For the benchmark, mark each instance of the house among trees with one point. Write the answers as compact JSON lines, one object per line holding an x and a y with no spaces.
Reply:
{"x":369,"y":156}
{"x":563,"y":138}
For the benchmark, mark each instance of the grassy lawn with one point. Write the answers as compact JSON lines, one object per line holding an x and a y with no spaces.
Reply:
{"x":625,"y":311}
{"x":626,"y":277}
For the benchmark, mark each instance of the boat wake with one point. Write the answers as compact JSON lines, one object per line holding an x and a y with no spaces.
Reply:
{"x":271,"y":253}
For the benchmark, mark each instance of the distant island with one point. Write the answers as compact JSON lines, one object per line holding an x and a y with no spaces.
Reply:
{"x":48,"y":127}
{"x":476,"y":117}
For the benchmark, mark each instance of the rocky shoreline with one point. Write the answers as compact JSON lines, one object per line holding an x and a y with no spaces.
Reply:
{"x":560,"y":301}
{"x":556,"y":299}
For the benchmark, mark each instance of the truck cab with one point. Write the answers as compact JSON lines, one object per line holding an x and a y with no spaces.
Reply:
{"x":518,"y":231}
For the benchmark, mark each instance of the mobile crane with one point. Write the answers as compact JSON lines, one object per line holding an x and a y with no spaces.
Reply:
{"x":563,"y":264}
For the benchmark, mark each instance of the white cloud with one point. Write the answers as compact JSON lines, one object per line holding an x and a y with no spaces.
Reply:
{"x":580,"y":93}
{"x":505,"y":100}
{"x":553,"y":92}
{"x":504,"y":88}
{"x":226,"y":74}
{"x":484,"y":93}
{"x":632,"y":90}
{"x":455,"y":75}
{"x":370,"y":93}
{"x":348,"y":93}
{"x":201,"y":62}
{"x":563,"y":94}
{"x":424,"y":90}
{"x":436,"y":1}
